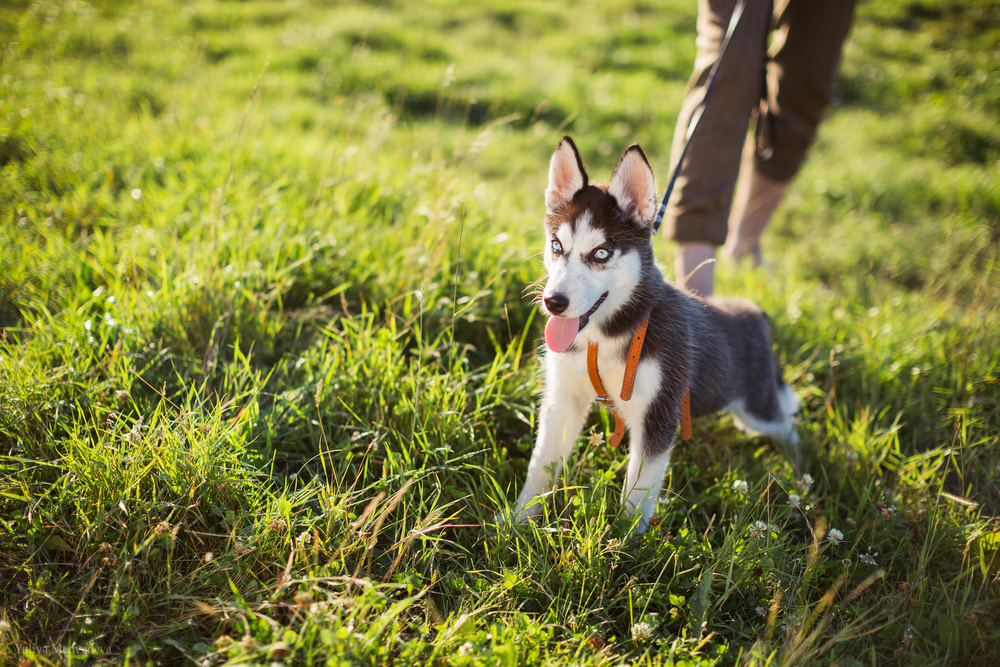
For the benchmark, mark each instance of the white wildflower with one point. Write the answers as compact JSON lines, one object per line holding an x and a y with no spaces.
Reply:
{"x":794,"y":499}
{"x":741,"y":486}
{"x":909,"y":638}
{"x":305,"y":537}
{"x":805,"y":483}
{"x":846,"y":562}
{"x":868,"y":558}
{"x":642,"y":632}
{"x":887,"y":511}
{"x":760,"y":611}
{"x":758,"y":530}
{"x":835,"y":536}
{"x":135,"y":433}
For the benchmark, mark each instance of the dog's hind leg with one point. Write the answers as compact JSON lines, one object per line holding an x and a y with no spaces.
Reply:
{"x":559,"y":423}
{"x":780,"y":426}
{"x":791,"y":409}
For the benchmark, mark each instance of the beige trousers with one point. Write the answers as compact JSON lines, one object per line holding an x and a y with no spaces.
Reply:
{"x":806,"y":38}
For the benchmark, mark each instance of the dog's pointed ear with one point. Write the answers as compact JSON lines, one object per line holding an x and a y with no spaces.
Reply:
{"x":566,"y":176}
{"x":634,"y":187}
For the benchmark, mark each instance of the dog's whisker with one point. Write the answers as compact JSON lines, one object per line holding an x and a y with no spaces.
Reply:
{"x":534,"y":255}
{"x":536,"y":286}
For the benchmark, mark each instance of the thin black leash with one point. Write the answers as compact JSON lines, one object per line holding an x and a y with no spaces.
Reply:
{"x":698,"y":112}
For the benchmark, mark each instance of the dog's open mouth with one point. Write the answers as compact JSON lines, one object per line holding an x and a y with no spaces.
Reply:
{"x":560,"y":332}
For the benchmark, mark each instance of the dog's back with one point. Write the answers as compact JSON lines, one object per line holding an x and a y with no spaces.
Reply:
{"x":719,"y":348}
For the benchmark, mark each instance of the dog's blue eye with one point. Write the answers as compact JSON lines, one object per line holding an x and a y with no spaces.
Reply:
{"x":556,"y":247}
{"x":601,"y":254}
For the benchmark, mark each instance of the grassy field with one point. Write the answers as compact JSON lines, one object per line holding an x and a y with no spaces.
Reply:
{"x":267,"y":371}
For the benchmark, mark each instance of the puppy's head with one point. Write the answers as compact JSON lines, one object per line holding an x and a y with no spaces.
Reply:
{"x":595,"y":239}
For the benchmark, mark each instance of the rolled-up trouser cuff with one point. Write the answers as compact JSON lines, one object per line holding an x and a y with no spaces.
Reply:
{"x":697,"y":228}
{"x":780,"y":167}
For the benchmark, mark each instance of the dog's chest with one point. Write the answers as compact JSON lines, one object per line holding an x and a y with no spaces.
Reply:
{"x":568,"y":372}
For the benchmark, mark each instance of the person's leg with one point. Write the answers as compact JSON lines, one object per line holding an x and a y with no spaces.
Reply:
{"x":802,"y":71}
{"x":805,"y":56}
{"x":757,"y":196}
{"x":698,"y":212}
{"x":694,"y":267}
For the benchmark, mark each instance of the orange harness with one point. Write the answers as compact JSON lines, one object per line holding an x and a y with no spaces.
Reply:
{"x":628,"y":383}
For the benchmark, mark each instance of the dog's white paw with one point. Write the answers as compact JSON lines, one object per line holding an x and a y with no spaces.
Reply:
{"x":517,"y":515}
{"x":640,"y":506}
{"x":639,"y":526}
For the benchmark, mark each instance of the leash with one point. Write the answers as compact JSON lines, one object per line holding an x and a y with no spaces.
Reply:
{"x":628,"y":384}
{"x":699,"y":112}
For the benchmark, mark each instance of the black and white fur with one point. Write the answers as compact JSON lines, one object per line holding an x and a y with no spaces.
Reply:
{"x":598,"y":244}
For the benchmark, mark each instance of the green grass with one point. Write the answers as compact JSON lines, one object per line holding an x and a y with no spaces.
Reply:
{"x":267,"y":370}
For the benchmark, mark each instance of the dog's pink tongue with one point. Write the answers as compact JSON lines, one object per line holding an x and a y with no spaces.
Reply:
{"x":560,"y":332}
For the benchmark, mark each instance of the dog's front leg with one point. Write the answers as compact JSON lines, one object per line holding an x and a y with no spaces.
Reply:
{"x":648,"y":458}
{"x":559,"y":422}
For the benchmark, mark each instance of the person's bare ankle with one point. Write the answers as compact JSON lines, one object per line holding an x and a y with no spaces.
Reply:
{"x":756,"y":199}
{"x":695,"y":267}
{"x":735,"y":253}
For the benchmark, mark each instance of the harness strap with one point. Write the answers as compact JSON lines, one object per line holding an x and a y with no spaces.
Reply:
{"x":595,"y":377}
{"x":628,"y":383}
{"x":602,"y":395}
{"x":632,"y":363}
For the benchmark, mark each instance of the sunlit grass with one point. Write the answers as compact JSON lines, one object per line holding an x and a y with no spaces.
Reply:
{"x":267,"y":368}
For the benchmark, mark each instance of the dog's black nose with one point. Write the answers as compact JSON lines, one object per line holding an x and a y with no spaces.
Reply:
{"x":556,"y":303}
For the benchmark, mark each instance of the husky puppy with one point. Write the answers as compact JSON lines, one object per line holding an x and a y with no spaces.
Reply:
{"x":602,"y":284}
